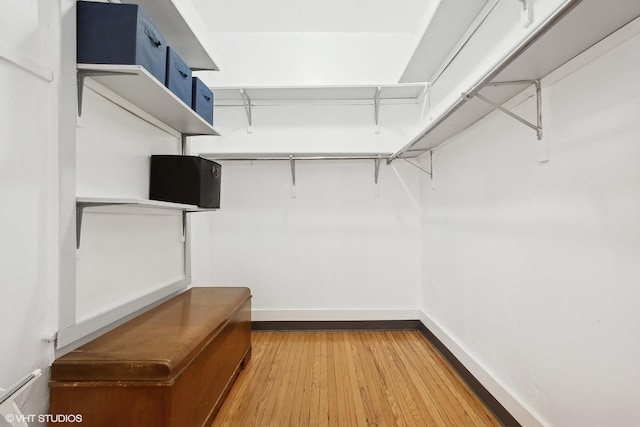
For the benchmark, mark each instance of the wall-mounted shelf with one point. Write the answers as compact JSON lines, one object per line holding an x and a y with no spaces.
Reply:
{"x":183,"y":28}
{"x":364,"y":95}
{"x":573,"y":28}
{"x":248,"y":97}
{"x":446,"y":27}
{"x":83,"y":203}
{"x":137,"y":86}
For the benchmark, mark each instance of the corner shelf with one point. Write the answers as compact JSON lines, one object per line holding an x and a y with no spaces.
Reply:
{"x":183,"y":28}
{"x":83,"y":203}
{"x":136,"y":85}
{"x":574,"y":27}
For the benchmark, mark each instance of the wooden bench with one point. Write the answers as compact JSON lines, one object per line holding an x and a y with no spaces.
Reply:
{"x":171,"y":366}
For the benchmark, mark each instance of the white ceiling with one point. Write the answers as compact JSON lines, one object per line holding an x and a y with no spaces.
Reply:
{"x":341,"y":16}
{"x":304,"y":42}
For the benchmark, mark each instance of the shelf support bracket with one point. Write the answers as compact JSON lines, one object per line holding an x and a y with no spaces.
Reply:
{"x":538,"y":126}
{"x":292,"y":162}
{"x":184,"y":143}
{"x":376,"y":104}
{"x":526,"y":14}
{"x":79,"y":214}
{"x":377,"y":169}
{"x":428,"y":172}
{"x":184,"y":226}
{"x":82,"y":74}
{"x":248,"y":105}
{"x":8,"y":405}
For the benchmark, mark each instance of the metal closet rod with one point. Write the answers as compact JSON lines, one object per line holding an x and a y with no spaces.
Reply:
{"x":300,"y":157}
{"x":559,"y":13}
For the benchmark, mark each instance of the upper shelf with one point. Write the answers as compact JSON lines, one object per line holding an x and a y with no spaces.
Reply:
{"x":576,"y":26}
{"x":398,"y":93}
{"x":446,"y":27}
{"x":137,"y":86}
{"x":183,"y":28}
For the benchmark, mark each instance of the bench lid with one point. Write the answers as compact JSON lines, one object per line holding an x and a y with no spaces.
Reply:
{"x":158,"y":344}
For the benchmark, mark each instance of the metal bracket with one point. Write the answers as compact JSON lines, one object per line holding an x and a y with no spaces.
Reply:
{"x":293,"y":175}
{"x":538,"y":126}
{"x":526,"y":15}
{"x":377,"y":169}
{"x":428,"y":172}
{"x":82,"y":74}
{"x":247,"y":108}
{"x":184,"y":226}
{"x":426,"y":100}
{"x":8,"y":405}
{"x":80,"y":212}
{"x":184,"y":142}
{"x":376,"y":104}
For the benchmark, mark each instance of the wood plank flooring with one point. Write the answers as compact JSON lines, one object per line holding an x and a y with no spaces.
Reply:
{"x":349,"y":378}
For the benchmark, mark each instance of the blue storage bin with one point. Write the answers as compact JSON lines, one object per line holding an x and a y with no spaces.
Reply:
{"x":113,"y":33}
{"x":178,"y":78}
{"x":202,"y":100}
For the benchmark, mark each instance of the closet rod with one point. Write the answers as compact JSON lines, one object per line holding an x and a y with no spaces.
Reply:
{"x":559,"y":13}
{"x":296,"y":157}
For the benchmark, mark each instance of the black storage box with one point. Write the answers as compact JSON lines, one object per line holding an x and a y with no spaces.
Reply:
{"x":178,"y":79}
{"x":202,"y":100}
{"x":113,"y":33}
{"x":185,"y":179}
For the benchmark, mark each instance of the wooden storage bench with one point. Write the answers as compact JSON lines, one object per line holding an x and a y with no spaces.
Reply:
{"x":171,"y":366}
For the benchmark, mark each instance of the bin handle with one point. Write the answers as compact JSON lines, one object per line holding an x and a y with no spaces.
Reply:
{"x":182,"y":73}
{"x":154,"y":40}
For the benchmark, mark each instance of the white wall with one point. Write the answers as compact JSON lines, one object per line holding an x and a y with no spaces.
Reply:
{"x":310,"y":128}
{"x":530,"y":270}
{"x":28,"y":189}
{"x":293,"y":59}
{"x":335,"y":252}
{"x":124,"y":253}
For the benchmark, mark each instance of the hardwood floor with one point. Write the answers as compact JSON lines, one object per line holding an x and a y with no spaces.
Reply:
{"x":349,"y":378}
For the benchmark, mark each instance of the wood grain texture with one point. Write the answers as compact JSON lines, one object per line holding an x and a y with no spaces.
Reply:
{"x":349,"y":378}
{"x":170,"y":367}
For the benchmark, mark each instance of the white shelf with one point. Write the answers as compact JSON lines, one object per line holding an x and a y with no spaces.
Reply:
{"x":447,"y":26}
{"x":136,"y":85}
{"x":260,"y":95}
{"x":83,"y":203}
{"x":578,"y":26}
{"x":88,"y":202}
{"x":183,"y":29}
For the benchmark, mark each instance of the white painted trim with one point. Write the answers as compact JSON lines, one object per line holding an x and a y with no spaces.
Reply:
{"x":86,"y":327}
{"x":511,"y":402}
{"x":334,"y":315}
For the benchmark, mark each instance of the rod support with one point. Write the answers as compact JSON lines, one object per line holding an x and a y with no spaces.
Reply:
{"x":377,"y":169}
{"x":292,"y":161}
{"x":430,"y":173}
{"x":376,"y":104}
{"x":538,"y":125}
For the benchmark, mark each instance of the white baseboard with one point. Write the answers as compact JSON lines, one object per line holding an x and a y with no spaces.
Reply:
{"x":510,"y":402}
{"x":262,"y":315}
